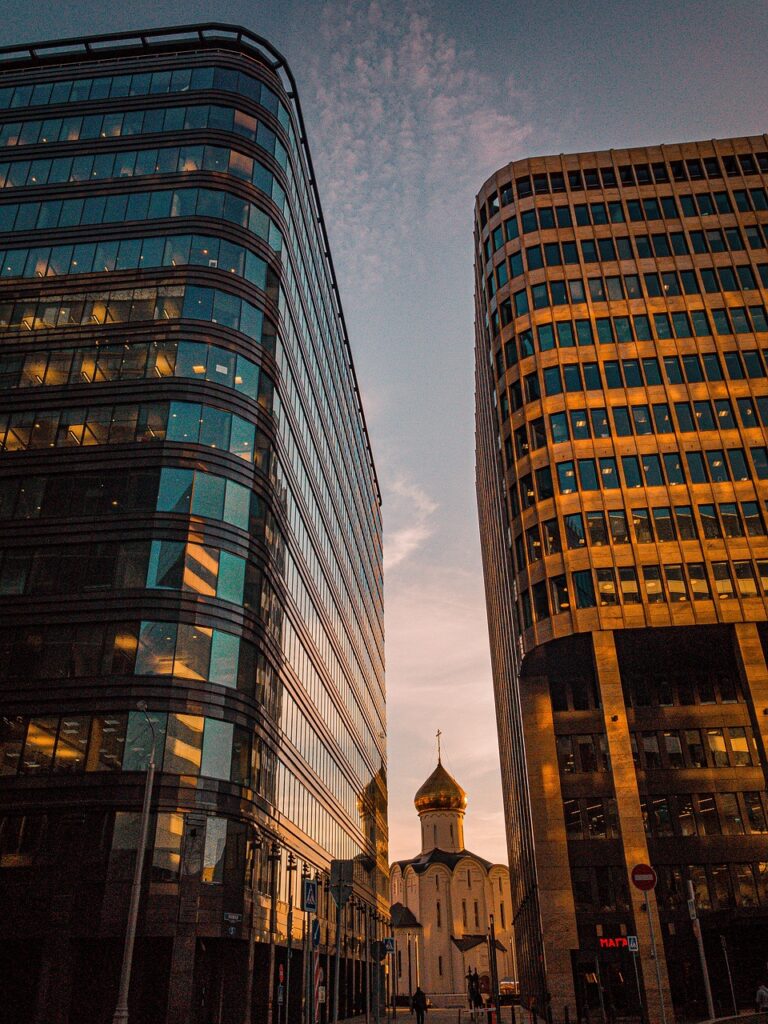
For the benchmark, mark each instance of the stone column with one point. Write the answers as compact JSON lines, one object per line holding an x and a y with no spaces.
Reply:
{"x":754,"y":682}
{"x":54,"y":991}
{"x":556,"y":907}
{"x":630,"y":818}
{"x":182,"y":978}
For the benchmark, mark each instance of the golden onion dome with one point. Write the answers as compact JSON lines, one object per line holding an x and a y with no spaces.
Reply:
{"x":441,"y":792}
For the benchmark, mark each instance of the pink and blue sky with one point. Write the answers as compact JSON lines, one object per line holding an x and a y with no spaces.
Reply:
{"x":409,"y":107}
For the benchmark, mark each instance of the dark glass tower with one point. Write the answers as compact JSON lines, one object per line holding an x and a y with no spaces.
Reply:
{"x":622,"y":409}
{"x":190,"y":518}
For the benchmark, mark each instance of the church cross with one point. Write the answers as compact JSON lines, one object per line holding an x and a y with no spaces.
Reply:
{"x":438,"y":734}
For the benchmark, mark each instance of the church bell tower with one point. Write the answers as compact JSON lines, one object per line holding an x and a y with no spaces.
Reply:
{"x":441,"y":803}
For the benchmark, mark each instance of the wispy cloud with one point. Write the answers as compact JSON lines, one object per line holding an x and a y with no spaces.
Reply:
{"x":409,"y":125}
{"x":410,"y":509}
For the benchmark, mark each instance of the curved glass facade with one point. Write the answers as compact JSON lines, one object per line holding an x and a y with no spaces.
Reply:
{"x":190,"y":518}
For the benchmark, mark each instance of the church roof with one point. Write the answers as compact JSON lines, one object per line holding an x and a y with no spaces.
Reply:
{"x":449,"y":860}
{"x":402,"y":917}
{"x":470,"y":941}
{"x":441,"y":792}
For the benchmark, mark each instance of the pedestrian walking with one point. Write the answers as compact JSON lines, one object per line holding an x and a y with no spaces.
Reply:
{"x":761,"y":999}
{"x":419,"y":1004}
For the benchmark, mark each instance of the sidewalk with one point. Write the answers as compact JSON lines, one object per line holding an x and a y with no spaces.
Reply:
{"x":438,"y":1015}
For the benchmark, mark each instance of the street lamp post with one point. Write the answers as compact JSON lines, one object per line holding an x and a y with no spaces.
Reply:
{"x":397,"y":952}
{"x":494,"y":964}
{"x":324,"y":1016}
{"x":290,"y":867}
{"x":337,"y":965}
{"x":305,"y":944}
{"x":256,"y":844}
{"x":274,"y":859}
{"x":410,"y":978}
{"x":121,"y":1010}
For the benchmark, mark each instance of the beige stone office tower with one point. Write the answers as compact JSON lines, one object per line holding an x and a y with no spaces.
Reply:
{"x":622,"y":476}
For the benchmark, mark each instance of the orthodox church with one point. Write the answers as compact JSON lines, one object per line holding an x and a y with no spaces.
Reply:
{"x":442,"y":901}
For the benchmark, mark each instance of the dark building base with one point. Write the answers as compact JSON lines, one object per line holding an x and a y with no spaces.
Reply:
{"x":62,"y":981}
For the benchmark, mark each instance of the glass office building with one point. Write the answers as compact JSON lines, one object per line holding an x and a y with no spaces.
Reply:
{"x":622,"y":478}
{"x":190,"y":519}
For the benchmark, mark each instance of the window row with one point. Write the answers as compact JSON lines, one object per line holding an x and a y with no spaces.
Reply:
{"x":227,"y":857}
{"x":600,"y":889}
{"x":528,"y":495}
{"x":583,"y":753}
{"x":579,"y":424}
{"x":710,"y":466}
{"x":622,"y":287}
{"x":165,"y":302}
{"x":137,"y":360}
{"x":704,"y":814}
{"x":629,"y":175}
{"x":642,"y":420}
{"x":645,"y":690}
{"x":157,"y":120}
{"x":184,"y":745}
{"x":661,"y":523}
{"x":130,"y":565}
{"x":140,"y":163}
{"x":187,"y":492}
{"x":122,"y":207}
{"x":139,"y":254}
{"x":683,"y":748}
{"x":691,"y":323}
{"x":591,"y":818}
{"x":112,"y":649}
{"x":632,"y":247}
{"x":144,"y":83}
{"x":680,"y":582}
{"x":576,"y":377}
{"x":715,"y":886}
{"x":184,"y":422}
{"x":669,"y":207}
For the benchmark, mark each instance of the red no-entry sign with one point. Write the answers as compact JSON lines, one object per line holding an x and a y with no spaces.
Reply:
{"x":644,"y":877}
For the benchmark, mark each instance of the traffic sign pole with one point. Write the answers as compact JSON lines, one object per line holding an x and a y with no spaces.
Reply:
{"x":639,"y":990}
{"x":644,"y":878}
{"x":702,"y":954}
{"x":655,"y":958}
{"x":337,"y":965}
{"x":730,"y":977}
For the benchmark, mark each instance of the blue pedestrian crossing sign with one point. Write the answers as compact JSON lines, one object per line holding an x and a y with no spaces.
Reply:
{"x":315,"y":933}
{"x":632,"y":944}
{"x":389,"y":944}
{"x":309,"y":896}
